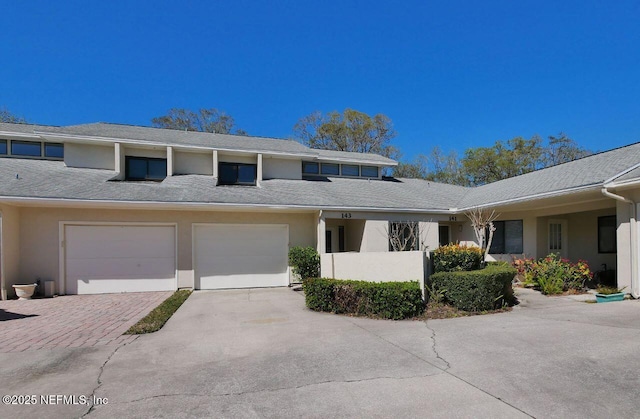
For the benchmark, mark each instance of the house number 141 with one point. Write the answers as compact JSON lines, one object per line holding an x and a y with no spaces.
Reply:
{"x":346,"y":215}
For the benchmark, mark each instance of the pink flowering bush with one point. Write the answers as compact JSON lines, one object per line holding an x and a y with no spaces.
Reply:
{"x":552,"y":274}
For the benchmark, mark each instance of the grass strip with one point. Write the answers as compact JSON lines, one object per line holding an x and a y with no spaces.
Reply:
{"x":154,"y":321}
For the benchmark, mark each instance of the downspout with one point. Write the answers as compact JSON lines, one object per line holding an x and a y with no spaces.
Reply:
{"x":635,"y":292}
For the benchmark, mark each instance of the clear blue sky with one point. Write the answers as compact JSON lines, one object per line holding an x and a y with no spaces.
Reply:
{"x":452,"y":73}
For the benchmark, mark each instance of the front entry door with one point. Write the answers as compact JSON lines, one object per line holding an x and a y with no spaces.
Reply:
{"x":558,"y":238}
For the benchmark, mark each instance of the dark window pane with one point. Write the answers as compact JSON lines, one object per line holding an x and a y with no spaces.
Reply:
{"x":25,"y":148}
{"x":156,"y":169}
{"x":607,"y":234}
{"x":513,"y":236}
{"x":136,"y":169}
{"x":3,"y":146}
{"x":350,"y":170}
{"x":497,"y":243}
{"x":330,"y":169}
{"x":369,"y":171}
{"x":247,"y":173}
{"x":53,"y":150}
{"x":228,"y":173}
{"x":310,"y":168}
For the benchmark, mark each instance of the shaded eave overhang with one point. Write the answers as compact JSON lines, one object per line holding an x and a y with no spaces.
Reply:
{"x":204,"y":206}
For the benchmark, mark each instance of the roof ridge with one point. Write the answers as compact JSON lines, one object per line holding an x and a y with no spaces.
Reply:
{"x":118,"y":124}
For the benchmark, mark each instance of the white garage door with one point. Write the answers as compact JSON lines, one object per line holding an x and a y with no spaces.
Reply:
{"x":240,"y":255}
{"x":127,"y":258}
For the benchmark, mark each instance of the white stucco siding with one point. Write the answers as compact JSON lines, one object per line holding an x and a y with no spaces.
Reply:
{"x":274,"y":168}
{"x":39,"y":233}
{"x":89,"y":156}
{"x":10,"y":248}
{"x":186,"y":163}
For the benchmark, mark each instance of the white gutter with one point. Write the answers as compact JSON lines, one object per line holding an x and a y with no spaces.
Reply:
{"x":160,"y":205}
{"x":635,"y":286}
{"x":534,"y":196}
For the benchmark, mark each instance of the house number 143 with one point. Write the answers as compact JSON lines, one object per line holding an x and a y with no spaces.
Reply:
{"x":346,"y":215}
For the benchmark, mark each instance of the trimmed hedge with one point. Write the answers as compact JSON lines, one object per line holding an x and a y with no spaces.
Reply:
{"x":483,"y":289}
{"x":388,"y":300}
{"x":305,"y":261}
{"x":454,"y":257}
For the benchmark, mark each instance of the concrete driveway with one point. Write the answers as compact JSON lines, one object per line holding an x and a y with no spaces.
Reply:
{"x":260,"y":353}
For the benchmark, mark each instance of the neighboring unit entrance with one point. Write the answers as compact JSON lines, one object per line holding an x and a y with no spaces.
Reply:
{"x":119,"y":258}
{"x":240,"y":255}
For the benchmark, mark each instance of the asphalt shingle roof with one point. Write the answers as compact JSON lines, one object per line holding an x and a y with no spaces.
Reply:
{"x":52,"y":179}
{"x":588,"y":171}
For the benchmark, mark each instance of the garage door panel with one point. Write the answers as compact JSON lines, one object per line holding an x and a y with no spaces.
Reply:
{"x":97,"y":268}
{"x":105,"y":259}
{"x":241,"y":256}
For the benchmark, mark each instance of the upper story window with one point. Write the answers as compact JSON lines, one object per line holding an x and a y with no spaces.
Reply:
{"x":145,"y":168}
{"x":330,"y":169}
{"x":237,"y":174}
{"x":507,"y":238}
{"x":369,"y":171}
{"x":310,"y":168}
{"x":28,"y":149}
{"x":350,"y":170}
{"x":54,"y":150}
{"x":335,"y":169}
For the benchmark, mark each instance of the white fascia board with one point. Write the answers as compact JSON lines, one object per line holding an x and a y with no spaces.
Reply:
{"x":19,"y":134}
{"x":356,"y":161}
{"x":111,"y":140}
{"x":158,"y":205}
{"x":568,"y":191}
{"x":625,"y":184}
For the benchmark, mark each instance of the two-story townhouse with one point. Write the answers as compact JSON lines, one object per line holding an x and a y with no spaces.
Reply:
{"x":113,"y":208}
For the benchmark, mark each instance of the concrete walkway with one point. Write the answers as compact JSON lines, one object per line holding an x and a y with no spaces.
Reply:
{"x":261,"y":353}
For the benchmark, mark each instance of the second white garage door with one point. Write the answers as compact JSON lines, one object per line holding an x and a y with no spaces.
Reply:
{"x":240,"y":255}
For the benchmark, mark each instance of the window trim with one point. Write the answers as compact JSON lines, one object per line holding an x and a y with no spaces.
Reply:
{"x":363,"y":168}
{"x":357,"y":166}
{"x":615,"y":238}
{"x":44,"y":150}
{"x":310,"y":163}
{"x":237,"y":165}
{"x":323,"y":165}
{"x":42,"y":156}
{"x":128,"y":177}
{"x":27,"y":142}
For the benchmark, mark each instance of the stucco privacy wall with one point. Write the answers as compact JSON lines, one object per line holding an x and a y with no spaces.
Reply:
{"x":376,"y":266}
{"x":39,"y":233}
{"x":10,"y":245}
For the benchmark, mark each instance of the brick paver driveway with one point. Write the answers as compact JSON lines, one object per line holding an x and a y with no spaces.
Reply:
{"x":73,"y":320}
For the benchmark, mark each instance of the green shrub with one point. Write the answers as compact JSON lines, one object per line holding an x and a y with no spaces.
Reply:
{"x":553,"y":274}
{"x":551,"y":285}
{"x":305,"y":262}
{"x":454,"y":257}
{"x":478,"y":290}
{"x":388,"y":300}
